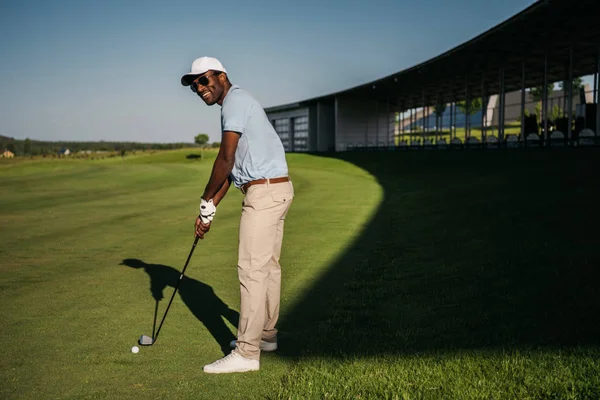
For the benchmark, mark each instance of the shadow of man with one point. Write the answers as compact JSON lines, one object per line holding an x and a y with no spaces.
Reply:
{"x":199,"y":297}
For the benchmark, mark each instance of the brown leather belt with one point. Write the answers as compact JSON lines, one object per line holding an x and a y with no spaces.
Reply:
{"x":262,"y":181}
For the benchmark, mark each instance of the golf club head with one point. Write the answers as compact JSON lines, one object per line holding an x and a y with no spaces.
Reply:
{"x":146,"y":341}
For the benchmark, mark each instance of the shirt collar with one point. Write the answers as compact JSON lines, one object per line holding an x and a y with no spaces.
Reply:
{"x":231,"y":89}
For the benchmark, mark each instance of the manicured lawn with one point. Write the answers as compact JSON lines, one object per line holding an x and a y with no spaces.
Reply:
{"x":469,"y":274}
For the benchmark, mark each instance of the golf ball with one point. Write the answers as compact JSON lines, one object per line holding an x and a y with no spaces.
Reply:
{"x":135,"y":349}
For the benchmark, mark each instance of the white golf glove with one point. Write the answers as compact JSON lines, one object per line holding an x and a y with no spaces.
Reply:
{"x":207,"y":211}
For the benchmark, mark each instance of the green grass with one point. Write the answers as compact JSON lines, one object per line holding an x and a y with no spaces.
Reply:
{"x":406,"y":275}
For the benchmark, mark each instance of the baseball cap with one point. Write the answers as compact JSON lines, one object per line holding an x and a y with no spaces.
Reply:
{"x":200,"y":66}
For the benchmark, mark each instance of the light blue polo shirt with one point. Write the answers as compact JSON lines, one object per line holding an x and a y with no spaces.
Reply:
{"x":260,"y":153}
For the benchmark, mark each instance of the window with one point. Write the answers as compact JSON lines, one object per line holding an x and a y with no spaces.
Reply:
{"x":300,"y":133}
{"x":282,"y":127}
{"x":293,"y":132}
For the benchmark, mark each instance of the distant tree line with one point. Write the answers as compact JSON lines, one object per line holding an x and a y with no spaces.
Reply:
{"x":202,"y":140}
{"x":28,"y":147}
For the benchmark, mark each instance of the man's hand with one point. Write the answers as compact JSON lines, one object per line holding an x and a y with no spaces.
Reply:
{"x":207,"y":211}
{"x":201,"y":228}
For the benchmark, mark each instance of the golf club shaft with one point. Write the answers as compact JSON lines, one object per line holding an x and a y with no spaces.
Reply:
{"x":176,"y":287}
{"x":154,"y":323}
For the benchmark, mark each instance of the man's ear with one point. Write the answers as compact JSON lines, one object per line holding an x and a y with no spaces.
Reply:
{"x":222,"y":77}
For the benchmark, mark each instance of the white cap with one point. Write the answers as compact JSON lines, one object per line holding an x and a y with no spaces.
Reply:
{"x":200,"y":66}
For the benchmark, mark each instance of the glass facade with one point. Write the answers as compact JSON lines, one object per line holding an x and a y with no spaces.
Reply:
{"x":293,"y":132}
{"x":282,"y":127}
{"x":300,"y":133}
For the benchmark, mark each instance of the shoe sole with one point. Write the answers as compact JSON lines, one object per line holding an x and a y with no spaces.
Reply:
{"x":230,"y":371}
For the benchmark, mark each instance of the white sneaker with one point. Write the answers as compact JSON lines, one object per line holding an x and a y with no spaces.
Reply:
{"x":264,"y":346}
{"x":232,"y":363}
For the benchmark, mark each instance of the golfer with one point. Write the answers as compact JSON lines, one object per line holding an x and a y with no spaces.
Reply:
{"x":251,"y":157}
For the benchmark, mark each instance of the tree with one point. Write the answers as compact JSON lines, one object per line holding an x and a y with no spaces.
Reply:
{"x":468,"y":109}
{"x":577,"y":84}
{"x":27,"y":146}
{"x":11,"y":147}
{"x":537,"y":93}
{"x":201,"y":139}
{"x":439,"y":109}
{"x":556,"y":112}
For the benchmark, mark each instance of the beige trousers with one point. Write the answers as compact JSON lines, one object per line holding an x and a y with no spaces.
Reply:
{"x":261,"y":234}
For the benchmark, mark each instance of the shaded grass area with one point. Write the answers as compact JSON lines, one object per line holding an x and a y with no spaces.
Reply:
{"x":465,"y":375}
{"x":474,"y":259}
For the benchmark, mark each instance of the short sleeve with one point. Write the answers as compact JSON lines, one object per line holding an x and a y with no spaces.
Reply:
{"x":234,"y":114}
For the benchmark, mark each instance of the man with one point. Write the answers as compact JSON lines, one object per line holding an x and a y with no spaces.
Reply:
{"x":251,"y":157}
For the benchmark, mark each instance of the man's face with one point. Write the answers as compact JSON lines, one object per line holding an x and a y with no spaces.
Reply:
{"x":209,"y":87}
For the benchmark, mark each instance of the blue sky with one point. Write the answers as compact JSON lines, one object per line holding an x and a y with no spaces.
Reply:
{"x":109,"y":70}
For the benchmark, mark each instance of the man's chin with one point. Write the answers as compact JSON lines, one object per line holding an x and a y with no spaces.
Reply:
{"x":208,"y":102}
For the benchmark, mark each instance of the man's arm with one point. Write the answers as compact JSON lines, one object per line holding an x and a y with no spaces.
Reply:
{"x":220,"y":177}
{"x":222,"y":192}
{"x":201,"y":228}
{"x":222,"y":167}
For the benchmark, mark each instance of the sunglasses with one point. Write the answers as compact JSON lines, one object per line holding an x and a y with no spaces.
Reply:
{"x":201,"y":81}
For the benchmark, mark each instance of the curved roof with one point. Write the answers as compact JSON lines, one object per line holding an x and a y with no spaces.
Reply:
{"x":546,"y":28}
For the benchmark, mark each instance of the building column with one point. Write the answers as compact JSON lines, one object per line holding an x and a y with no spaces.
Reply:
{"x":450,"y":125}
{"x":366,"y":144}
{"x":377,"y":124}
{"x":523,"y":133}
{"x":453,"y":126}
{"x":483,"y":110}
{"x":410,"y":125}
{"x":565,"y":89}
{"x":545,"y":136}
{"x":597,"y":89}
{"x":318,"y":133}
{"x":401,"y":117}
{"x":291,"y":133}
{"x":425,"y":121}
{"x":468,"y":113}
{"x":569,"y":109}
{"x":423,"y":117}
{"x":405,"y":113}
{"x":502,"y":105}
{"x":437,"y":118}
{"x":387,"y":114}
{"x":335,"y":122}
{"x":594,"y":88}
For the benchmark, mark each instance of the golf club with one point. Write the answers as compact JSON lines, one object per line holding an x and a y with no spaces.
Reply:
{"x":154,"y":323}
{"x":149,"y":341}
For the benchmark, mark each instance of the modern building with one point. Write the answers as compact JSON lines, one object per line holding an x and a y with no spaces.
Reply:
{"x":306,"y":126}
{"x":550,"y":41}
